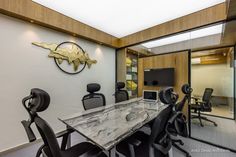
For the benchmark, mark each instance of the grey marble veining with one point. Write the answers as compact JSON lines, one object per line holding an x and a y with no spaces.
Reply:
{"x":107,"y":126}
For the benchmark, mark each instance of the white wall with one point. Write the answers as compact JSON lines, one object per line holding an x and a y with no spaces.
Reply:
{"x":218,"y":76}
{"x":25,"y":66}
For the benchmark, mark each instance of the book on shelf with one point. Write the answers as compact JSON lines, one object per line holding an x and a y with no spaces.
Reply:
{"x":128,"y":77}
{"x":134,"y":69}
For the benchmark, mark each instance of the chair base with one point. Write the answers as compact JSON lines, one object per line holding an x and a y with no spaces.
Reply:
{"x":179,"y":148}
{"x":182,"y":150}
{"x":203,"y":118}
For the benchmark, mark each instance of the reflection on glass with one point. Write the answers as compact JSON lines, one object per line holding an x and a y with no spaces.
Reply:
{"x":212,"y":66}
{"x":195,"y":34}
{"x":216,"y":35}
{"x":213,"y":69}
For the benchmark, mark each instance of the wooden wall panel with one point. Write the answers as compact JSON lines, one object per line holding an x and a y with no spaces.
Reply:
{"x":140,"y":76}
{"x":28,"y":10}
{"x":231,"y":10}
{"x":179,"y":61}
{"x":204,"y":17}
{"x":121,"y":65}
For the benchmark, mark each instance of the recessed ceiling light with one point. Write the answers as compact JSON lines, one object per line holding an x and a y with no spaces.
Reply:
{"x":123,"y":17}
{"x":212,"y":30}
{"x":217,"y":29}
{"x":167,"y":40}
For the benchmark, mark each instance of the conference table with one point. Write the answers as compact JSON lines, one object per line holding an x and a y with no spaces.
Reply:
{"x":108,"y":125}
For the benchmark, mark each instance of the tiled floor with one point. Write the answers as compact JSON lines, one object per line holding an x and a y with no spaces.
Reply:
{"x":224,"y":134}
{"x":198,"y":149}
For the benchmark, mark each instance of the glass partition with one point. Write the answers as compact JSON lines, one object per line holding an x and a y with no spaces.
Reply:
{"x":212,"y":68}
{"x":212,"y":113}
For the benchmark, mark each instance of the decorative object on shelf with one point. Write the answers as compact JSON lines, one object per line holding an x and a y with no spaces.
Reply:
{"x":131,"y":85}
{"x":132,"y":74}
{"x":128,"y":62}
{"x":70,"y":52}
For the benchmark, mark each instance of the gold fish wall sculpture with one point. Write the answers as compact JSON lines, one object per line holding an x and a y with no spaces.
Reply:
{"x":73,"y":55}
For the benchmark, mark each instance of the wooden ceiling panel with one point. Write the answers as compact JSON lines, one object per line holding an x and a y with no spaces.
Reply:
{"x":201,"y":18}
{"x":28,"y":10}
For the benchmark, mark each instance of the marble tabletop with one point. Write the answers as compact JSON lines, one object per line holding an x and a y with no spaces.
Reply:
{"x":107,"y":126}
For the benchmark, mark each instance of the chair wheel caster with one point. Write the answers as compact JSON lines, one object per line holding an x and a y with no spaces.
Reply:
{"x":181,"y":143}
{"x":188,"y":155}
{"x":215,"y":124}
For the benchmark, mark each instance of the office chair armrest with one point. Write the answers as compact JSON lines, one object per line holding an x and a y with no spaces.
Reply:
{"x":64,"y":133}
{"x":201,"y":102}
{"x":133,"y":142}
{"x":196,"y":99}
{"x":65,"y":136}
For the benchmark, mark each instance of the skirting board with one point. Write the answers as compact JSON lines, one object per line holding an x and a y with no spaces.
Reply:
{"x":21,"y":146}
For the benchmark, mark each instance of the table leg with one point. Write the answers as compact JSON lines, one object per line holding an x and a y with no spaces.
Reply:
{"x":69,"y":139}
{"x":112,"y":152}
{"x":171,"y":152}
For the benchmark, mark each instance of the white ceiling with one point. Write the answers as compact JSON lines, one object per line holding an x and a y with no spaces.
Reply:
{"x":123,"y":17}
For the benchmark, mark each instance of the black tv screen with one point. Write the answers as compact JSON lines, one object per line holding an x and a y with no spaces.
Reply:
{"x":159,"y":77}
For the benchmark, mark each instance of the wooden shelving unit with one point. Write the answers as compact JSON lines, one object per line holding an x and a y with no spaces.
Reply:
{"x":132,"y":74}
{"x":127,"y":70}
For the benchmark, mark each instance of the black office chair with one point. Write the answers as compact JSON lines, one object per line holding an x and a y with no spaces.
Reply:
{"x":203,"y":106}
{"x":121,"y":94}
{"x":181,"y":127}
{"x":93,"y":100}
{"x":158,"y":143}
{"x":38,"y":101}
{"x":187,"y":90}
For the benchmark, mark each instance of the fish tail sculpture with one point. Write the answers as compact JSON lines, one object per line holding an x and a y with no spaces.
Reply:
{"x":89,"y":61}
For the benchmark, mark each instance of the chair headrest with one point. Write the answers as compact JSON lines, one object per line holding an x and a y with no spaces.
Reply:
{"x":120,"y":85}
{"x":168,"y":96}
{"x":40,"y":100}
{"x":93,"y":87}
{"x":186,"y":89}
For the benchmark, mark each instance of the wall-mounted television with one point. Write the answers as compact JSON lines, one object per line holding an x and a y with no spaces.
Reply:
{"x":159,"y":77}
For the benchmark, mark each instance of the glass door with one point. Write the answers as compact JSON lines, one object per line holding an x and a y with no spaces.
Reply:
{"x":214,"y":70}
